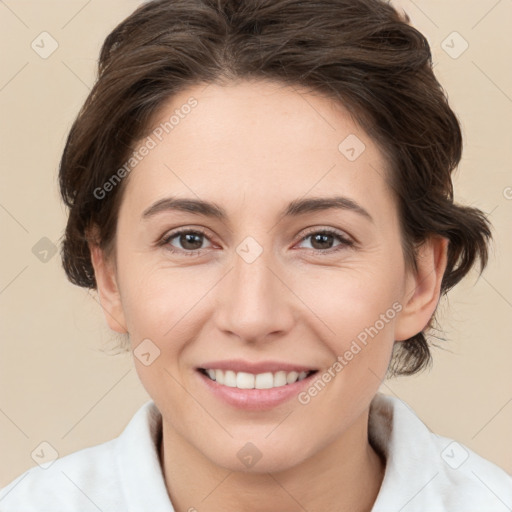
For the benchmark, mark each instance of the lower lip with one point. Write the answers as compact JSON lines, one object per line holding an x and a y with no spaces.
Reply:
{"x":255,"y":399}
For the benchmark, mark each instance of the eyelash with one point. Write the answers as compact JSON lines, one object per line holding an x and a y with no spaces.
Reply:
{"x":345,"y":242}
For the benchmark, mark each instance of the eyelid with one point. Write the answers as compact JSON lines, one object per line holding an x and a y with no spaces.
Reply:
{"x":168,"y":235}
{"x":329,"y":230}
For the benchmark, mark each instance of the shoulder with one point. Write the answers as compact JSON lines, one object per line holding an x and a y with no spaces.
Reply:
{"x":71,"y":481}
{"x":107,"y":477}
{"x":425,"y":470}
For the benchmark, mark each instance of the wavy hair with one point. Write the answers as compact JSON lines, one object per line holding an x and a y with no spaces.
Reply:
{"x":363,"y":54}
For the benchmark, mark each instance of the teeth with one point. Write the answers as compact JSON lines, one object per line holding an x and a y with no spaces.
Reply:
{"x":229,"y":379}
{"x":279,"y":379}
{"x":244,"y":380}
{"x":264,"y":381}
{"x":291,"y":377}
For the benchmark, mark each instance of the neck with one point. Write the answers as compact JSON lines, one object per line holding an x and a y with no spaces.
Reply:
{"x":345,"y":475}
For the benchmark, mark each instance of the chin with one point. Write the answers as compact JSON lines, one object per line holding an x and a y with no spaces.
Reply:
{"x":257,"y":456}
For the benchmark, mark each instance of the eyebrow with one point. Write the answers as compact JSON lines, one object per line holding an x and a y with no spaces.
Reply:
{"x":295,"y":208}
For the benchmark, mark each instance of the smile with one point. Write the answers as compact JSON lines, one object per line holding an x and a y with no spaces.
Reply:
{"x":254,"y":385}
{"x":245,"y":380}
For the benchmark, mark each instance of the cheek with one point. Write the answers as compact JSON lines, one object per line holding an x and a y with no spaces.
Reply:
{"x":357,"y":309}
{"x":349,"y":300}
{"x":166,"y":305}
{"x":159,"y":305}
{"x":152,"y":295}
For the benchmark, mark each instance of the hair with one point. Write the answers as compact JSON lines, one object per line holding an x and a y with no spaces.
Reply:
{"x":362,"y":54}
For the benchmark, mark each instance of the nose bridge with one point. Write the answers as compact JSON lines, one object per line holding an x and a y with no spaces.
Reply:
{"x":254,"y":301}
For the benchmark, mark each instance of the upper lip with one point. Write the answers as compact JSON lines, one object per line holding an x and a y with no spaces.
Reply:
{"x":239,"y":365}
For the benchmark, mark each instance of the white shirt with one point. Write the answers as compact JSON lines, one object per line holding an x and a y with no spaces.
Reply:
{"x":424,"y":472}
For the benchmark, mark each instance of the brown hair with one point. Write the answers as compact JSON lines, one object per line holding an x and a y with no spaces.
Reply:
{"x":360,"y":53}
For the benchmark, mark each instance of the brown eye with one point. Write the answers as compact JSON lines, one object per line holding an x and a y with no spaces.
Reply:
{"x":324,"y":240}
{"x":185,"y":241}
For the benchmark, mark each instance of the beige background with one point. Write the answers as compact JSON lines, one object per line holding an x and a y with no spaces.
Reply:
{"x":56,"y":383}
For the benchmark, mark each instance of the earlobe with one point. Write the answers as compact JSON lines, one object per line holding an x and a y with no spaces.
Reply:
{"x":422,"y":289}
{"x":108,"y":290}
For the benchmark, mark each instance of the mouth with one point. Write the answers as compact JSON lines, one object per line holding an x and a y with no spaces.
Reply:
{"x":247,"y":380}
{"x":254,"y":386}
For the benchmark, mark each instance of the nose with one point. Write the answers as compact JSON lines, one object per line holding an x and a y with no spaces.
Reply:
{"x":255,"y":303}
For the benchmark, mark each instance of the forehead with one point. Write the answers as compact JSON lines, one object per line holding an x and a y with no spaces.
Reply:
{"x":259,"y":140}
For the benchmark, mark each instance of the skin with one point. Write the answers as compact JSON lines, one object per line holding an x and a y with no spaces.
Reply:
{"x":252,"y":147}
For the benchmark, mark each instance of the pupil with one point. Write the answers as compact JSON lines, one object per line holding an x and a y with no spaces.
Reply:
{"x":322,"y":238}
{"x":188,"y":240}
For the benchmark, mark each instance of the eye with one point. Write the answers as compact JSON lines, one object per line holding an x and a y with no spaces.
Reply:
{"x":189,"y":240}
{"x":322,"y":240}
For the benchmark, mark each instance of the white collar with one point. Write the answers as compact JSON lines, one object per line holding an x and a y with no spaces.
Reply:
{"x":420,"y":465}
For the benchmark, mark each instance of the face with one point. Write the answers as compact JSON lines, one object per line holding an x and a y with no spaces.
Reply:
{"x":264,"y":286}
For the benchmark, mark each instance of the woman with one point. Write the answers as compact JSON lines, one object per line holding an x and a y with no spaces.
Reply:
{"x":260,"y":192}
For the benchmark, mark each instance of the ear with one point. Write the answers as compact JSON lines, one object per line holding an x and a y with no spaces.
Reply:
{"x":422,"y":288}
{"x":106,"y":282}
